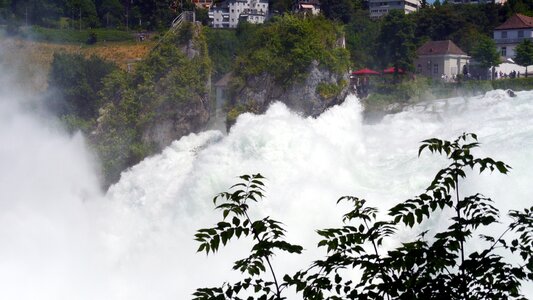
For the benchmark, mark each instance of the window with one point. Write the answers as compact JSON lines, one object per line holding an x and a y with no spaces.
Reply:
{"x":520,"y":33}
{"x":504,"y":34}
{"x":436,"y":69}
{"x":504,"y":51}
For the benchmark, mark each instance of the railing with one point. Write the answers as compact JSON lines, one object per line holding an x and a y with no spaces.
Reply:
{"x":188,"y":16}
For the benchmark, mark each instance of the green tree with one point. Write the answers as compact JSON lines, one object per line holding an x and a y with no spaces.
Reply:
{"x":524,"y":54}
{"x":111,"y":12}
{"x":267,"y":235}
{"x":281,"y":6}
{"x":485,"y":53}
{"x":5,"y":9}
{"x":77,"y":80}
{"x":435,"y":265}
{"x":36,"y":12}
{"x":361,"y":39}
{"x":154,"y":14}
{"x":84,"y":10}
{"x":167,"y":84}
{"x":222,"y":45}
{"x":395,"y":44}
{"x":337,"y":10}
{"x":286,"y":47}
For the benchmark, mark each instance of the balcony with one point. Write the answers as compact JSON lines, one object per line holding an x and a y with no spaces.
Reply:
{"x":511,"y":41}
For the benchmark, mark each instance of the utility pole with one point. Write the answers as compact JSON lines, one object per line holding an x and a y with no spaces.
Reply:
{"x":80,"y":18}
{"x":26,"y":15}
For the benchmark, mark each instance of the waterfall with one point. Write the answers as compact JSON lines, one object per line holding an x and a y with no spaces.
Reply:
{"x":62,"y":238}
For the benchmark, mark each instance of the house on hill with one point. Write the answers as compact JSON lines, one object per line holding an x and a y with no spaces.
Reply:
{"x":438,"y":59}
{"x":311,"y":7}
{"x":227,"y":14}
{"x":513,"y":31}
{"x":379,"y":8}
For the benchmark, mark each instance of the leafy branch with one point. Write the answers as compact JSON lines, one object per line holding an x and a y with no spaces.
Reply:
{"x":267,"y":234}
{"x":432,"y":266}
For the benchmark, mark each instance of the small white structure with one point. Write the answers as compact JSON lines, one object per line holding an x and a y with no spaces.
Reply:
{"x":440,"y":59}
{"x":477,"y":1}
{"x":513,"y":31}
{"x":227,"y":14}
{"x":379,"y":8}
{"x":307,"y":7}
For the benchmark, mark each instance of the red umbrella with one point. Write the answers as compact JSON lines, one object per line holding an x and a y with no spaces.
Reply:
{"x":365,"y":72}
{"x":391,"y":71}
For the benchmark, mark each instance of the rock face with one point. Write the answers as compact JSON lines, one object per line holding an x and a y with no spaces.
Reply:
{"x":304,"y":97}
{"x":172,"y":125}
{"x":167,"y":97}
{"x":174,"y":119}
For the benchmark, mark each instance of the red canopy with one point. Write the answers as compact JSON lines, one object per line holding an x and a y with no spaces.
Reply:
{"x":391,"y":71}
{"x":365,"y":72}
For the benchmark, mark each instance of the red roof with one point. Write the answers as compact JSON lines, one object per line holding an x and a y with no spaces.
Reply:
{"x":439,"y":48}
{"x":365,"y":72}
{"x":516,"y":21}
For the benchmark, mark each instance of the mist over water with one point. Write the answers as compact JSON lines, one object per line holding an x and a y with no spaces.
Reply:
{"x":63,"y":238}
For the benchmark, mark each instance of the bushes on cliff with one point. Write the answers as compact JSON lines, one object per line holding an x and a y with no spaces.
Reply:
{"x":162,"y":86}
{"x":286,"y":47}
{"x":222,"y":46}
{"x":76,"y":81}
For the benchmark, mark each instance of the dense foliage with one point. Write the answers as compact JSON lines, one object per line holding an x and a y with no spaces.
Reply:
{"x":286,"y":47}
{"x":437,"y":264}
{"x":223,"y":45}
{"x":524,"y":54}
{"x":146,"y":14}
{"x":396,"y":45}
{"x":164,"y":84}
{"x":485,"y":52}
{"x":77,"y":81}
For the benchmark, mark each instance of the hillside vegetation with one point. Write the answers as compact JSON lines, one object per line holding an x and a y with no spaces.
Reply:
{"x":33,"y":59}
{"x":166,"y":98}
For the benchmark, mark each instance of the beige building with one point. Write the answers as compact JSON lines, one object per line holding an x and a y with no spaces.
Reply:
{"x":440,"y":59}
{"x":511,"y":33}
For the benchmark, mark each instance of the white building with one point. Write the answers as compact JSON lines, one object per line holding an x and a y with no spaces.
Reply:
{"x":477,"y":1}
{"x":438,"y":59}
{"x":379,"y":8}
{"x":227,"y":14}
{"x":513,"y":31}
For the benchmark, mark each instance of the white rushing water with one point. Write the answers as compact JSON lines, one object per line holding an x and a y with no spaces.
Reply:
{"x":64,"y":239}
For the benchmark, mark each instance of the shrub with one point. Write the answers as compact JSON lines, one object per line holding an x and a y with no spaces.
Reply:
{"x":330,"y":90}
{"x":286,"y":47}
{"x":92,"y":39}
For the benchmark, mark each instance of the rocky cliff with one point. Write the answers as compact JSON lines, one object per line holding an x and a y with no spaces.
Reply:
{"x":298,"y":60}
{"x":321,"y":89}
{"x":165,"y":98}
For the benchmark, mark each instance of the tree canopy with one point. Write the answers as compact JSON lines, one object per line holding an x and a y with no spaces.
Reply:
{"x":396,"y":41}
{"x":485,"y":52}
{"x":524,"y":54}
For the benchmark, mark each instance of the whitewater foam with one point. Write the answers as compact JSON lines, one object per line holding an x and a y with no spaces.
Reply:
{"x":136,"y":242}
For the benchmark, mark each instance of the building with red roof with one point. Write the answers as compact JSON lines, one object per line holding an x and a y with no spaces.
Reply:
{"x":440,"y":59}
{"x":513,"y":31}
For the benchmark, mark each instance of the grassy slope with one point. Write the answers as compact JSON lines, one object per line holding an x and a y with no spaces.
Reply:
{"x":33,"y":59}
